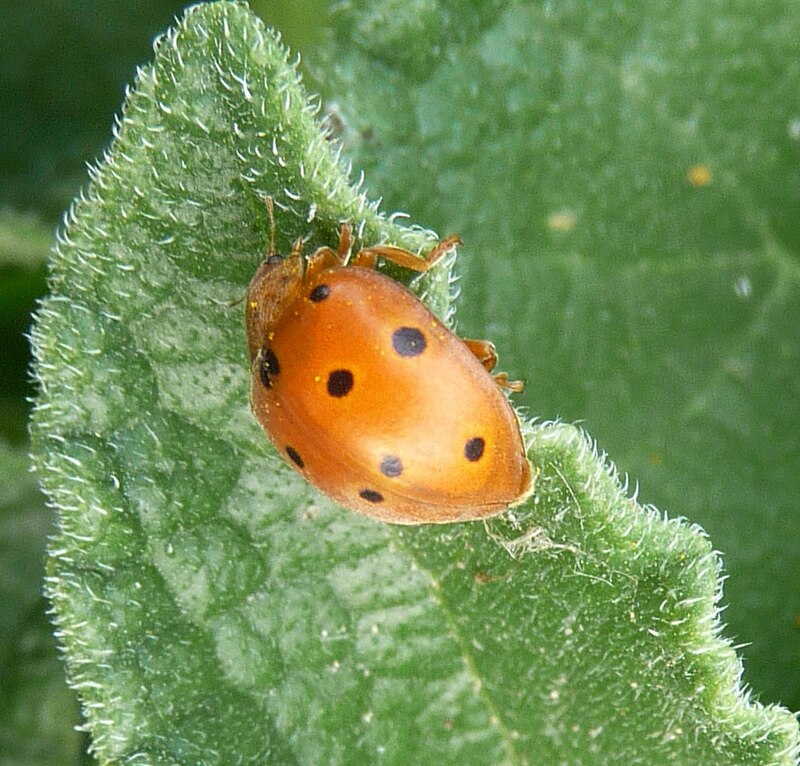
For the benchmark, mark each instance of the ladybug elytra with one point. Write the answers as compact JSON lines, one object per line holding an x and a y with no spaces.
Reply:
{"x":370,"y":397}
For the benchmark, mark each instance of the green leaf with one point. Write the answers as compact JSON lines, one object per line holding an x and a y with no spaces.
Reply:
{"x":565,"y":142}
{"x":216,"y":609}
{"x":38,"y":711}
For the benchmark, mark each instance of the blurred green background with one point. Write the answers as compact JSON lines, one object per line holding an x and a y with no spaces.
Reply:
{"x":63,"y":71}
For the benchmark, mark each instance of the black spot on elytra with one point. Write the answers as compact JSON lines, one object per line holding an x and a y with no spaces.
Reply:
{"x":371,"y":496}
{"x":391,"y":466}
{"x":294,"y":456}
{"x":340,"y":383}
{"x":473,"y":449}
{"x":269,"y":367}
{"x":320,"y":293}
{"x":408,"y":341}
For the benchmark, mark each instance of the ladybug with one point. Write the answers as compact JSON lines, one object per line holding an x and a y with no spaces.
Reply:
{"x":370,"y":397}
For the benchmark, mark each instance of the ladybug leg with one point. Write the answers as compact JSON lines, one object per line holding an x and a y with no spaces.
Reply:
{"x":442,"y":248}
{"x":368,"y":256}
{"x":515,"y":386}
{"x":326,"y":257}
{"x":345,"y":242}
{"x":319,"y":260}
{"x":486,"y":354}
{"x":484,"y":350}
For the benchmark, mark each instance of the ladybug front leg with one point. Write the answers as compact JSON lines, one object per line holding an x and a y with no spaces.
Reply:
{"x":367,"y":256}
{"x":486,"y":354}
{"x":484,"y":350}
{"x":326,"y":258}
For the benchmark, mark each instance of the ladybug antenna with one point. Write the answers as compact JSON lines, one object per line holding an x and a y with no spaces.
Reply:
{"x":271,"y":213}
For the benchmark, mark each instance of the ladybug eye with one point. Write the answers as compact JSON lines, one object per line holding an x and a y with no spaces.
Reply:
{"x":319,"y":293}
{"x":473,"y":449}
{"x":273,"y":259}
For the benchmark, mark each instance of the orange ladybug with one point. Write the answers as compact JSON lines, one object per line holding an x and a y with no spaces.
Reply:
{"x":370,"y":397}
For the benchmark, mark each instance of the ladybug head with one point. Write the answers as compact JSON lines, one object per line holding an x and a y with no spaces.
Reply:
{"x":273,"y":287}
